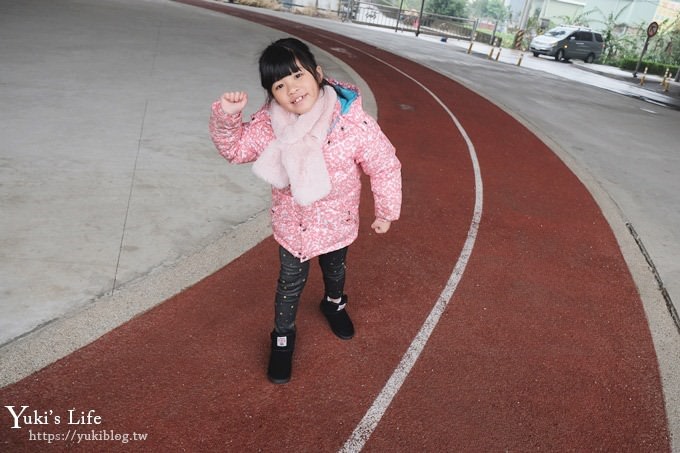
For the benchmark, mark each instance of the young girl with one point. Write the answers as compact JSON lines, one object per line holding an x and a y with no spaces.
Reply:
{"x":309,"y":141}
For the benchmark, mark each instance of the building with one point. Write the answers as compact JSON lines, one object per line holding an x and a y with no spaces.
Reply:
{"x":630,"y":12}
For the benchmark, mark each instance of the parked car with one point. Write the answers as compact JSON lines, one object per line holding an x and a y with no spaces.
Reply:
{"x":566,"y":42}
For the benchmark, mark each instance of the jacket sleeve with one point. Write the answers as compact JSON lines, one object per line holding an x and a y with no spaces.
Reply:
{"x":237,"y":141}
{"x":379,"y":161}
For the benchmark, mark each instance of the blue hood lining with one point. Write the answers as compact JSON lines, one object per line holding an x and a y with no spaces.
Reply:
{"x":346,"y":96}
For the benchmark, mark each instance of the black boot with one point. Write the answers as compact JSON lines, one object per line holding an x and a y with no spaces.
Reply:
{"x":281,"y":358}
{"x":338,"y":318}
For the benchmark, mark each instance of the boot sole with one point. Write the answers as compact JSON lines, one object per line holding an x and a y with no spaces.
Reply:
{"x":278,"y":381}
{"x":344,"y":337}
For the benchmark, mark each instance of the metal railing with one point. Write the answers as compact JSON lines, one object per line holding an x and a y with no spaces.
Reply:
{"x":407,"y":20}
{"x":397,"y":19}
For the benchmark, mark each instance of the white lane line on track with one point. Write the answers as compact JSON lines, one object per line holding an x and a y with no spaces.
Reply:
{"x":374,"y":414}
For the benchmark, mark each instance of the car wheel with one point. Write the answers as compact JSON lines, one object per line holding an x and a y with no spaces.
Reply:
{"x":559,"y":55}
{"x":590,"y":58}
{"x":535,"y":54}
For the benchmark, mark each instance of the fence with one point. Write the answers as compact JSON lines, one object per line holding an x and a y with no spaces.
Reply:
{"x":409,"y":20}
{"x":398,"y":19}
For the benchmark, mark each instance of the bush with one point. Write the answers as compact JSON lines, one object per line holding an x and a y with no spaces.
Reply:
{"x":269,"y":4}
{"x":652,"y":67}
{"x":313,"y":12}
{"x":485,"y":38}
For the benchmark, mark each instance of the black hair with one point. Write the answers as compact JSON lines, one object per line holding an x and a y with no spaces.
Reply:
{"x":278,"y":60}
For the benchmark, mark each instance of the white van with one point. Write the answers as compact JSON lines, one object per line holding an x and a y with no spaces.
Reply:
{"x":566,"y":42}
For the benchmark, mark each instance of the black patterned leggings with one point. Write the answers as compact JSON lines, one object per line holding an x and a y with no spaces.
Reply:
{"x":292,"y":279}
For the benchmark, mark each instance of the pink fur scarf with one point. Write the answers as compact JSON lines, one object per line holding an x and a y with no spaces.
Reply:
{"x":295,"y":156}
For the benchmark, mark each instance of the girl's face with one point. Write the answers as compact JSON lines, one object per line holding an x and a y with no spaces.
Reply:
{"x":298,"y":92}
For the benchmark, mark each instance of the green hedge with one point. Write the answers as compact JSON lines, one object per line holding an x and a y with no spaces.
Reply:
{"x":485,"y":38}
{"x":652,"y":67}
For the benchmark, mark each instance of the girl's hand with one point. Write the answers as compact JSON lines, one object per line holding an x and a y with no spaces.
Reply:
{"x":381,"y":226}
{"x":233,"y":102}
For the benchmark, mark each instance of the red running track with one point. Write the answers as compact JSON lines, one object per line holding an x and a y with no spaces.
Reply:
{"x":543,"y":346}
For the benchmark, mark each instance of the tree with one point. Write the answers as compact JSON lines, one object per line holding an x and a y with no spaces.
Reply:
{"x":613,"y":42}
{"x":492,"y":9}
{"x":666,"y":49}
{"x":663,"y":50}
{"x":455,"y":8}
{"x":496,"y":9}
{"x":478,"y":8}
{"x":580,"y":19}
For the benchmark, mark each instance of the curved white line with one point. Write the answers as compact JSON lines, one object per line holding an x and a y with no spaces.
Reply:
{"x":374,"y":414}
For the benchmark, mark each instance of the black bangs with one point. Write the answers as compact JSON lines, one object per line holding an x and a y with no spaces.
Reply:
{"x":275,"y":64}
{"x":283,"y":58}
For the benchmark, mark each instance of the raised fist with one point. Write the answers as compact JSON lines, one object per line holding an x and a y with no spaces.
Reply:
{"x":233,"y":102}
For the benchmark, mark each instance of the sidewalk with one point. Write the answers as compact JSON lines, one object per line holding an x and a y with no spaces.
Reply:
{"x":624,"y":83}
{"x":651,"y":82}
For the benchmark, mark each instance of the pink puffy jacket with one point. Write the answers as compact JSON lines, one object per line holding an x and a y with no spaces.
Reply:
{"x":355,"y":143}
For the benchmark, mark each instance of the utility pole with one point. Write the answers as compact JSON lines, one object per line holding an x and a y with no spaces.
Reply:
{"x":523,"y":20}
{"x":420,"y":17}
{"x":401,"y":8}
{"x":524,"y":17}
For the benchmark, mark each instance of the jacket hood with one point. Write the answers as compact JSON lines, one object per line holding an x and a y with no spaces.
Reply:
{"x":347,"y":94}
